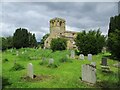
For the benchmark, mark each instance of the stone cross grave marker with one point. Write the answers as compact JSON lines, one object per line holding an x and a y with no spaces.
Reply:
{"x":30,"y":70}
{"x":88,"y":73}
{"x":81,"y":57}
{"x":89,"y":56}
{"x":104,"y":61}
{"x":51,"y":61}
{"x":73,"y":54}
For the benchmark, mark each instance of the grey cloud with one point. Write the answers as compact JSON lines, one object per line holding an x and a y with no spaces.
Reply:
{"x":36,"y":16}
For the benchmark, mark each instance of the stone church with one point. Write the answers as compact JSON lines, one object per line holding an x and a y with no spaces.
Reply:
{"x":58,"y":29}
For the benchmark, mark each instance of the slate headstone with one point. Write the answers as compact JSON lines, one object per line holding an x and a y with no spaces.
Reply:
{"x":104,"y":61}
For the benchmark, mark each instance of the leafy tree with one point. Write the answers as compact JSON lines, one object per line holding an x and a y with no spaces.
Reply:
{"x":43,"y":40}
{"x":32,"y":40}
{"x":91,"y":42}
{"x":21,"y":38}
{"x":6,"y":42}
{"x":114,"y":36}
{"x":58,"y":44}
{"x":114,"y":43}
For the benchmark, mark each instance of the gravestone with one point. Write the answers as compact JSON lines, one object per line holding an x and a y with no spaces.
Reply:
{"x":72,"y":54}
{"x":89,"y":56}
{"x":51,"y":61}
{"x":67,"y":56}
{"x":17,"y":53}
{"x":93,"y":64}
{"x":88,"y":73}
{"x":30,"y":70}
{"x":22,"y":52}
{"x":104,"y":61}
{"x":81,"y":56}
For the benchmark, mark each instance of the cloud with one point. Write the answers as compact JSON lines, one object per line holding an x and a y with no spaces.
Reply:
{"x":35,"y":16}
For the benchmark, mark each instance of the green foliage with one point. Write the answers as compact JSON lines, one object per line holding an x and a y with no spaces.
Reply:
{"x":5,"y":82}
{"x":114,"y":36}
{"x":91,"y":42}
{"x":23,"y":38}
{"x":5,"y":60}
{"x":52,"y":66}
{"x":43,"y":40}
{"x":114,"y":43}
{"x":58,"y":44}
{"x":7,"y":42}
{"x":17,"y":67}
{"x":114,"y":24}
{"x":65,"y":59}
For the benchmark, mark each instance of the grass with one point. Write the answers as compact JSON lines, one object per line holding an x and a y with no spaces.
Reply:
{"x":65,"y":75}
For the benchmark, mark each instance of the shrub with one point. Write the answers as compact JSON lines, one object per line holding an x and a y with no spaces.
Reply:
{"x":17,"y":67}
{"x":65,"y":59}
{"x":5,"y":60}
{"x":58,"y":44}
{"x":91,"y":42}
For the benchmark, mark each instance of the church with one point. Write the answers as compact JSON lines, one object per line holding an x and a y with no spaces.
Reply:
{"x":58,"y":30}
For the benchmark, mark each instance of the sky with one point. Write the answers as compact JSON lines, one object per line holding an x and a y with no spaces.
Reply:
{"x":35,"y":16}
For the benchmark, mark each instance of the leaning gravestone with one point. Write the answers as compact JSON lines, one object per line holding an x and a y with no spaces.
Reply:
{"x":30,"y":70}
{"x":51,"y":61}
{"x":67,"y":55}
{"x":81,"y":56}
{"x":104,"y":61}
{"x":17,"y":53}
{"x":72,"y":54}
{"x":89,"y":56}
{"x":88,"y":73}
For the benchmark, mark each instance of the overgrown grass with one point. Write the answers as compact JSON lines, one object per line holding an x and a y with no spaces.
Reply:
{"x":66,"y":75}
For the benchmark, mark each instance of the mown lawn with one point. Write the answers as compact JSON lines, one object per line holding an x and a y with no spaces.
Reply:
{"x":66,"y":75}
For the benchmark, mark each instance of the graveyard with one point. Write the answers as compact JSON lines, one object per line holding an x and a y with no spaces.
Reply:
{"x":42,"y":68}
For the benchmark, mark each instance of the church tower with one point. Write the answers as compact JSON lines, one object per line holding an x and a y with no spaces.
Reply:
{"x":57,"y":26}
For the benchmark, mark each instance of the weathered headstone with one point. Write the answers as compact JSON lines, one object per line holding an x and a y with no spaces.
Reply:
{"x":89,"y":56}
{"x":81,"y":56}
{"x":72,"y":54}
{"x":93,"y":64}
{"x":88,"y":73}
{"x":51,"y":61}
{"x":67,"y":56}
{"x":30,"y":70}
{"x":104,"y":61}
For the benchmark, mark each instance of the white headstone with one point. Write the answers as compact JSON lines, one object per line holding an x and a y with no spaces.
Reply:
{"x":89,"y":56}
{"x":81,"y":56}
{"x":51,"y":61}
{"x":73,"y":54}
{"x":30,"y":70}
{"x":88,"y":74}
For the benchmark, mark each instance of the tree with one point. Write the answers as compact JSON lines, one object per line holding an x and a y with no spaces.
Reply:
{"x":43,"y":40}
{"x":6,"y":42}
{"x":32,"y":40}
{"x":21,"y":38}
{"x":58,"y":44}
{"x":114,"y":36}
{"x":114,"y":43}
{"x":91,"y":42}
